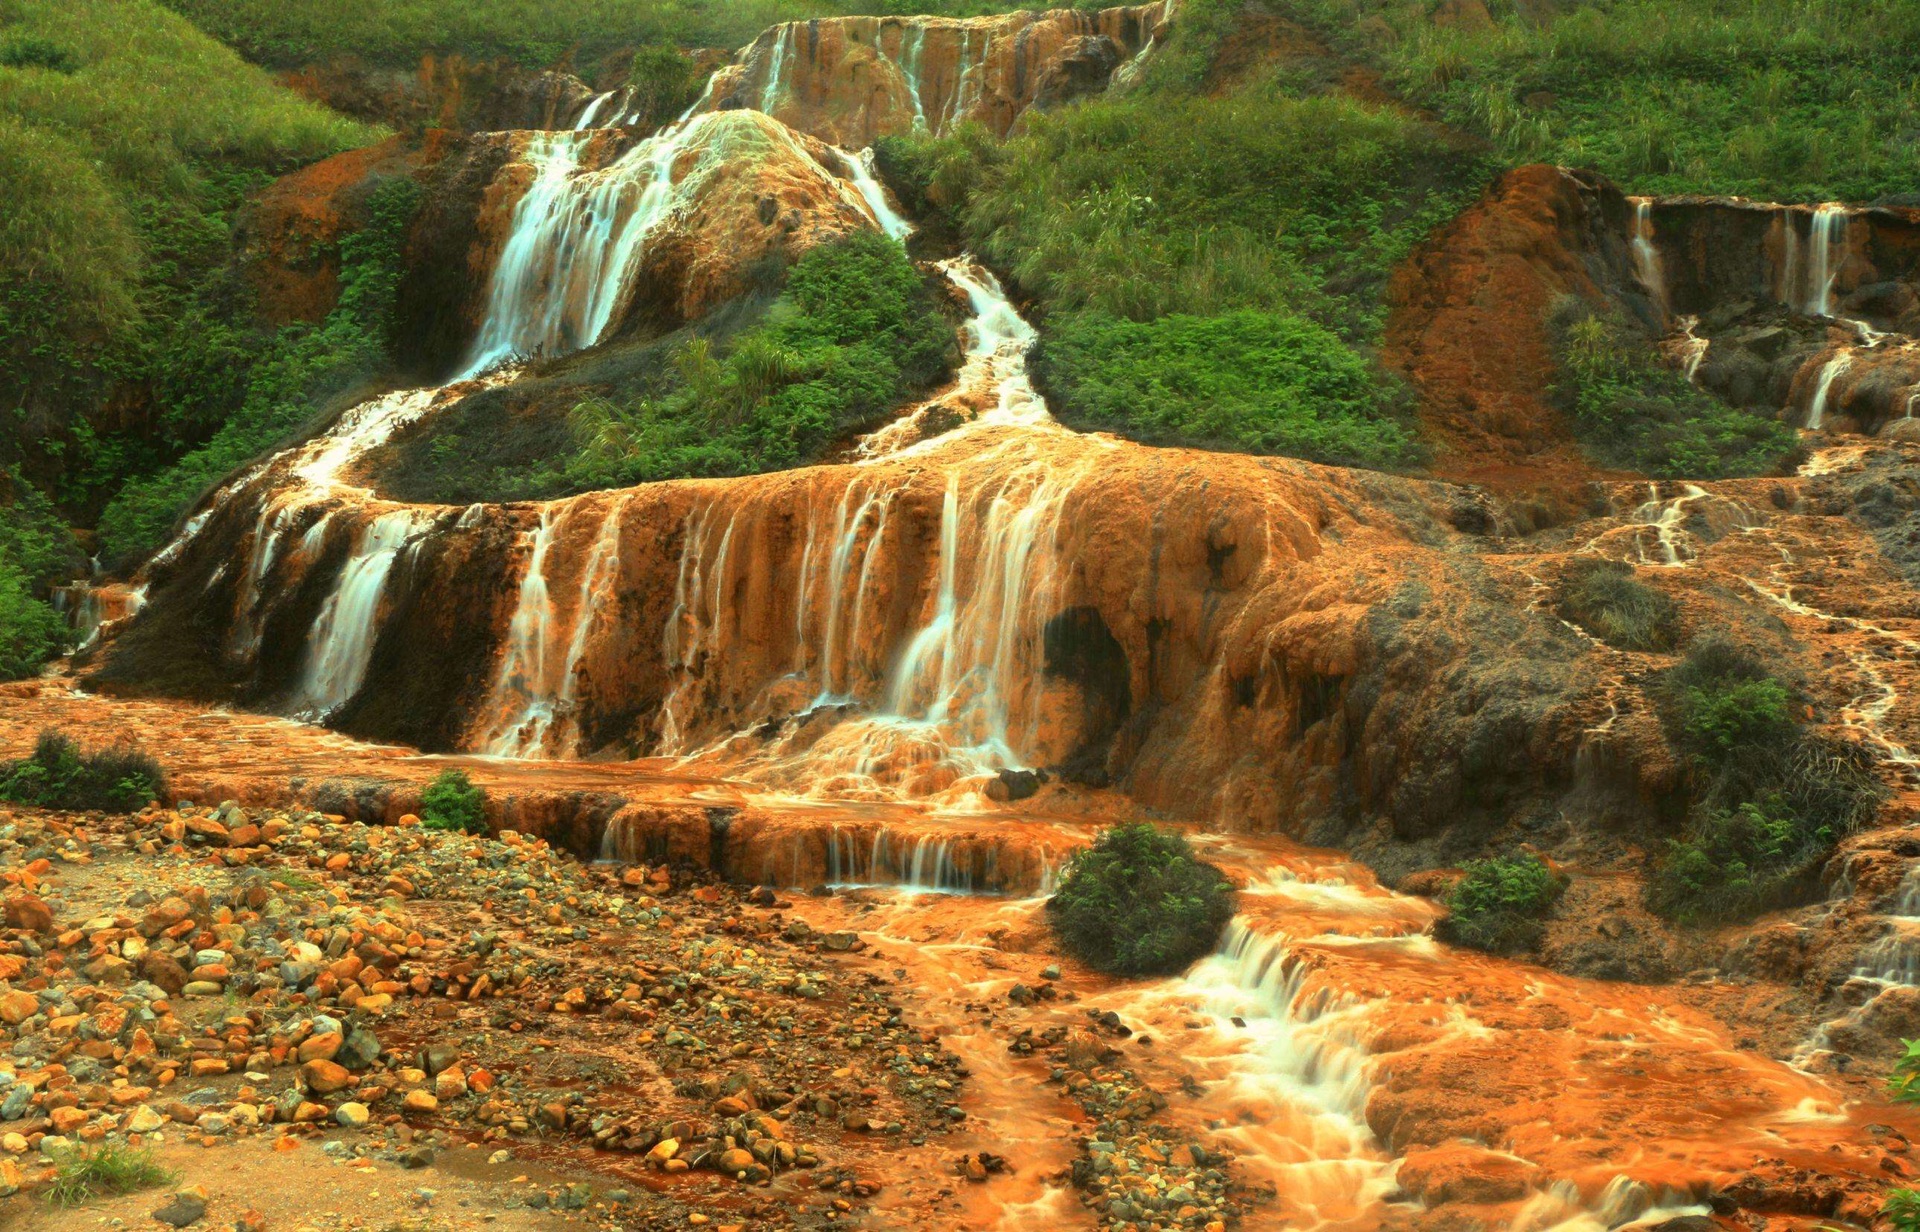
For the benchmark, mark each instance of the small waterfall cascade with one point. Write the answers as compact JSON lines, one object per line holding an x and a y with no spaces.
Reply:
{"x":1666,"y":516}
{"x":1646,"y":257}
{"x":340,"y":648}
{"x":531,"y":709}
{"x":575,"y":241}
{"x":922,"y":74}
{"x":1828,"y":228}
{"x":1830,"y":372}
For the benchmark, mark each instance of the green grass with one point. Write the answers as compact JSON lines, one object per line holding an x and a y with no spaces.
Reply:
{"x":1630,"y":410}
{"x":397,"y":33}
{"x":127,"y":140}
{"x":1500,"y":903}
{"x":36,"y":551}
{"x":1792,"y":100}
{"x":1769,"y":798}
{"x":1205,"y":269}
{"x":1248,"y":381}
{"x":1901,"y":1209}
{"x":1139,"y":902}
{"x":59,"y":775}
{"x":1603,"y":597}
{"x":104,"y":1171}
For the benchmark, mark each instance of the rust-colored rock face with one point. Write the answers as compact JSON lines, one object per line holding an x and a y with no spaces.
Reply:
{"x":1789,"y":310}
{"x":448,"y":92}
{"x":289,"y":236}
{"x":1468,"y":321}
{"x":850,"y":80}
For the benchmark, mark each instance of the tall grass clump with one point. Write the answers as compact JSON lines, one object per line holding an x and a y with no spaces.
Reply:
{"x":1603,"y":597}
{"x":104,"y":1171}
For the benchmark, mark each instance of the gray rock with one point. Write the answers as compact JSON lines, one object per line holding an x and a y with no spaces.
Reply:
{"x":185,"y":1209}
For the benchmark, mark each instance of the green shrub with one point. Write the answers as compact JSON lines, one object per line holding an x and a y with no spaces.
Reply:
{"x":1634,"y":412}
{"x":1603,"y":597}
{"x":1207,"y":270}
{"x":1768,"y":799}
{"x":31,"y":632}
{"x":453,"y":802}
{"x":1902,"y":1209}
{"x":1904,"y":1082}
{"x":104,"y":1171}
{"x":58,"y":775}
{"x":1139,"y":902}
{"x":1249,"y":381}
{"x":1500,"y":903}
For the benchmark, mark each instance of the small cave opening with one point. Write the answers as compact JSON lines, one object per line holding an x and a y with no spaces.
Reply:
{"x":1081,"y":649}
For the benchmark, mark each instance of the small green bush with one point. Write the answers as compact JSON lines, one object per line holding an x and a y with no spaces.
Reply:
{"x":1632,"y":411}
{"x":1904,"y":1082}
{"x":103,"y":1171}
{"x":1500,"y":903}
{"x":1769,"y":799}
{"x":1139,"y":902}
{"x":1604,"y":598}
{"x":453,"y":802}
{"x":58,"y":775}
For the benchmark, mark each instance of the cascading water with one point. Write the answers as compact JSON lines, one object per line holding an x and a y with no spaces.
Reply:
{"x":341,"y":645}
{"x":1830,"y":372}
{"x":1646,"y":257}
{"x":1828,"y":227}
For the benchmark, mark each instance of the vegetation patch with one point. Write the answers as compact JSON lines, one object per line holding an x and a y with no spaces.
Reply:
{"x":1139,"y":902}
{"x":302,"y":368}
{"x":1500,"y":904}
{"x":59,"y":775}
{"x":1248,"y":381}
{"x":36,"y":551}
{"x":1749,"y":97}
{"x":855,"y":333}
{"x":127,"y":140}
{"x":397,"y":33}
{"x":1770,"y":798}
{"x":1205,"y":270}
{"x":453,"y":802}
{"x":104,"y":1171}
{"x":1632,"y":411}
{"x":1603,"y":597}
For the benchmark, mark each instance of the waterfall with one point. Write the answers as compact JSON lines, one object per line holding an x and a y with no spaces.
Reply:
{"x":1829,"y":372}
{"x":1646,"y":258}
{"x":1665,"y":517}
{"x":1829,"y":226}
{"x":575,"y":241}
{"x":535,"y":693}
{"x":341,"y":645}
{"x":873,"y":195}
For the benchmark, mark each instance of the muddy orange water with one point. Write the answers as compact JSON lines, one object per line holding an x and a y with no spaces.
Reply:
{"x":1339,"y":1053}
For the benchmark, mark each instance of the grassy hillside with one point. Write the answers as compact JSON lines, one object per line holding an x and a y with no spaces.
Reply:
{"x":1208,"y":259}
{"x":127,"y":137}
{"x":1791,"y":100}
{"x":533,"y":33}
